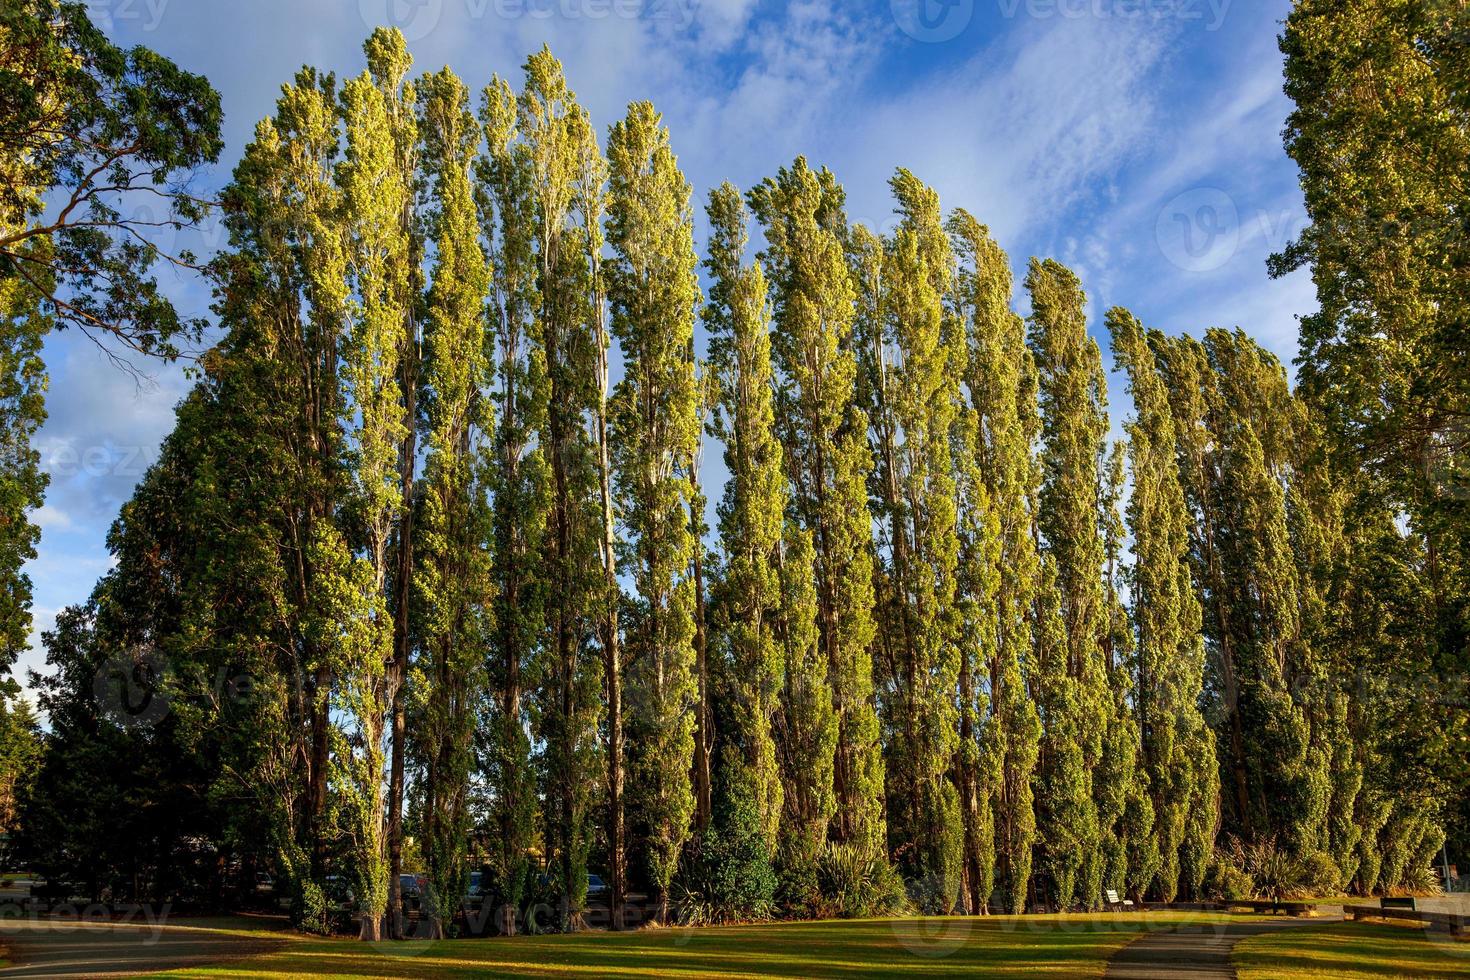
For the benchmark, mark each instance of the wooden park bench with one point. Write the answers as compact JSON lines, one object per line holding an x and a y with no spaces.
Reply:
{"x":1452,"y":922}
{"x":1115,"y":904}
{"x":1404,"y":902}
{"x":1274,"y":907}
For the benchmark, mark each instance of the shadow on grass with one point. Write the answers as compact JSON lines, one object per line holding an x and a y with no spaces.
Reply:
{"x":1067,"y":946}
{"x":1353,"y":951}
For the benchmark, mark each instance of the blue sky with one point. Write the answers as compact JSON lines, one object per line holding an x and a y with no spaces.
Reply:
{"x":1136,"y":140}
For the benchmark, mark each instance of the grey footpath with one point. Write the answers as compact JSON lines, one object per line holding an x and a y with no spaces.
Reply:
{"x":1194,"y":952}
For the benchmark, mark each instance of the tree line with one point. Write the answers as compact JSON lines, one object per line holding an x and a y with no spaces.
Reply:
{"x":422,"y":579}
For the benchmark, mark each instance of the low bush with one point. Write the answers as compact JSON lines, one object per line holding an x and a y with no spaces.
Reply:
{"x":1226,"y":881}
{"x":798,"y":891}
{"x":726,"y":874}
{"x":1320,"y":875}
{"x":311,"y":912}
{"x":1420,"y":879}
{"x":856,"y":884}
{"x":1275,"y":872}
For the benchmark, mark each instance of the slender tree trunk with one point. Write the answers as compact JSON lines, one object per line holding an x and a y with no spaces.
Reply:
{"x":511,"y":540}
{"x":399,"y":674}
{"x":704,"y":726}
{"x":969,"y":804}
{"x":566,"y":642}
{"x":371,"y":927}
{"x":613,"y":677}
{"x":611,"y":639}
{"x":433,"y":810}
{"x":1232,"y":682}
{"x":616,"y":844}
{"x":320,"y":756}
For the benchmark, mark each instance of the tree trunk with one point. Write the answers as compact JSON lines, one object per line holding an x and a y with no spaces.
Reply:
{"x":611,"y":640}
{"x":968,"y":790}
{"x":320,"y":756}
{"x":399,"y":673}
{"x":703,"y":725}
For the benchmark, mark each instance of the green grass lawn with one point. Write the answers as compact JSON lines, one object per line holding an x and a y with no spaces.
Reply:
{"x":1001,"y":946}
{"x":1352,"y":951}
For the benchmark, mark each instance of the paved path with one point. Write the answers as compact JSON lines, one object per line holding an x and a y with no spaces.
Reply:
{"x":1193,"y":952}
{"x":1459,"y":902}
{"x":69,"y":949}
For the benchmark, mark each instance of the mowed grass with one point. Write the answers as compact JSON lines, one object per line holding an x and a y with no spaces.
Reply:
{"x":1352,"y":951}
{"x":999,"y":946}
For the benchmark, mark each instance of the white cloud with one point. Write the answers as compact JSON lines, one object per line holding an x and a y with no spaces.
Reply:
{"x":1018,"y":133}
{"x":50,"y":518}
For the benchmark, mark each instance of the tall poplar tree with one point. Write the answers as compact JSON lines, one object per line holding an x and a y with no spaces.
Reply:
{"x":824,"y":440}
{"x":281,"y":288}
{"x":1168,"y":663}
{"x":388,"y":64}
{"x":911,"y":383}
{"x":1233,"y":417}
{"x":590,"y":200}
{"x":519,"y":484}
{"x":377,"y":261}
{"x":976,"y":769}
{"x":1071,"y":684}
{"x":452,"y":577}
{"x":1317,"y":510}
{"x":569,"y":709}
{"x":1000,"y":376}
{"x":747,"y":594}
{"x":1379,"y":135}
{"x":654,"y":293}
{"x":1125,"y":810}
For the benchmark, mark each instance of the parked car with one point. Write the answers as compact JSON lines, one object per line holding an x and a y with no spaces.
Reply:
{"x":338,"y":893}
{"x":596,"y":887}
{"x":472,"y":905}
{"x":412,"y":887}
{"x":474,"y":894}
{"x":57,"y":891}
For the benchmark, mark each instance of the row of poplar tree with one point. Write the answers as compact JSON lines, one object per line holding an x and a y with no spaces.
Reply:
{"x":438,"y":495}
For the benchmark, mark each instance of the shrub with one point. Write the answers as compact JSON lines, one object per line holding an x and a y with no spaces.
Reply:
{"x":932,"y":894}
{"x":1320,"y":875}
{"x":798,"y":893}
{"x":310,"y":910}
{"x":1420,"y":879}
{"x":1275,"y":872}
{"x":726,"y":874}
{"x":857,"y":884}
{"x":1226,"y":881}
